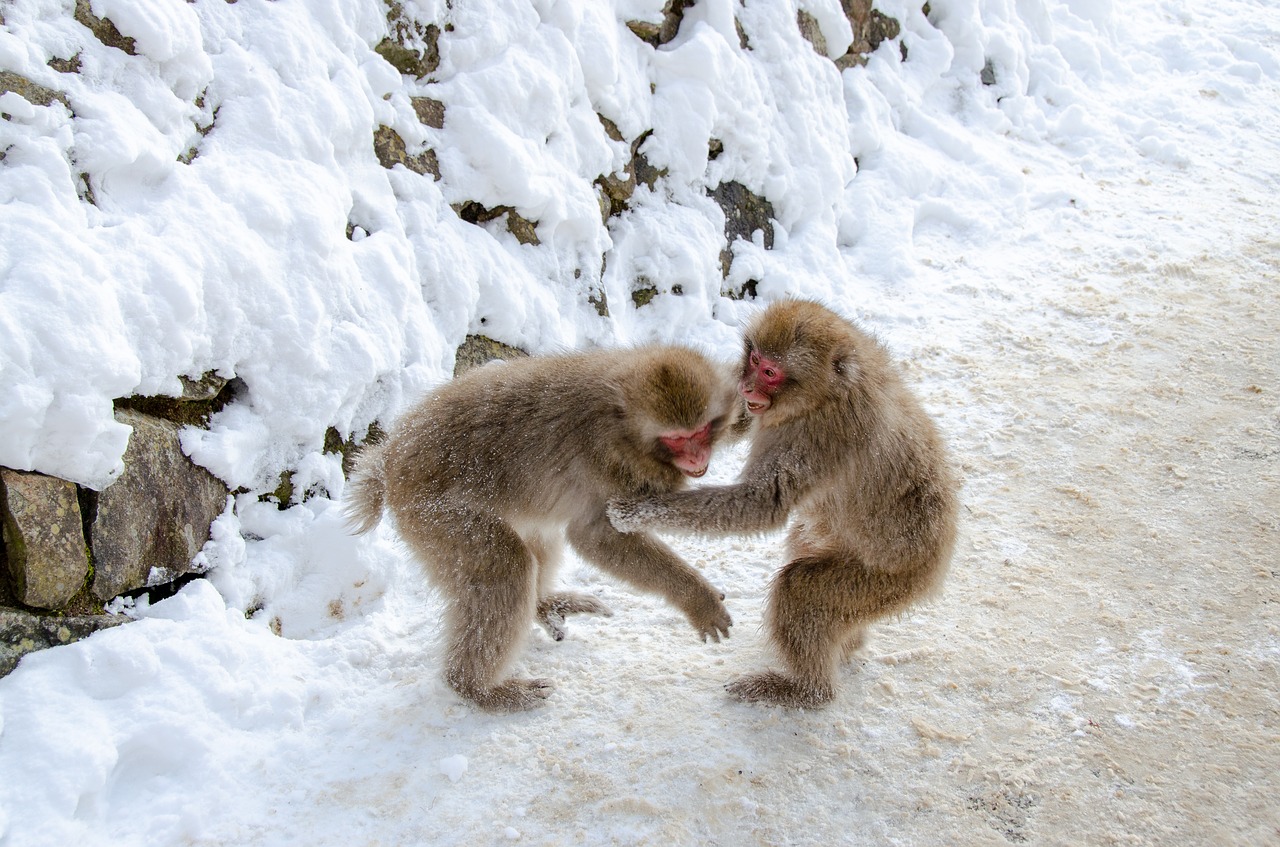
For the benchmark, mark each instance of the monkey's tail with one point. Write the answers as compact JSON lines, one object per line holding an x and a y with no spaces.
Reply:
{"x":366,"y":490}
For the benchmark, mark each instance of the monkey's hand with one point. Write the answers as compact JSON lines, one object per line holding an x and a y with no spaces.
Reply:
{"x":708,"y":614}
{"x":631,"y":514}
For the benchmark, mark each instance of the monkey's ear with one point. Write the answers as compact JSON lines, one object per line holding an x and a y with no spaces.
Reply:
{"x":845,"y":365}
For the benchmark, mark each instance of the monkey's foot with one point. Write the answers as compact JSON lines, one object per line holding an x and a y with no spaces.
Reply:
{"x":514,"y":695}
{"x":780,"y":689}
{"x":553,"y":608}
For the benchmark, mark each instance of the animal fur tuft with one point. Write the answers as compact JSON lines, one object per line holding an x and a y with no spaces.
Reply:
{"x":366,"y":490}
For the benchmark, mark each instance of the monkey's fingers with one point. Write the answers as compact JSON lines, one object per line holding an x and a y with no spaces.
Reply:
{"x":553,"y":609}
{"x":716,"y":629}
{"x":514,"y":695}
{"x":553,"y":623}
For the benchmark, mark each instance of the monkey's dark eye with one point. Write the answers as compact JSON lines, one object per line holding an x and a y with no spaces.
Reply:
{"x":769,"y":373}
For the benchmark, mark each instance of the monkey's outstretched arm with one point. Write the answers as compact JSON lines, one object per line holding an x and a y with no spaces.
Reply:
{"x":760,"y":502}
{"x":651,"y":566}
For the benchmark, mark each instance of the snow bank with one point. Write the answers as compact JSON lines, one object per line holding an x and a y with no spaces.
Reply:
{"x":239,"y":262}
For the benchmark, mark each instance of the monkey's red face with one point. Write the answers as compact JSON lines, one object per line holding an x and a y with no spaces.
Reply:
{"x":761,"y":378}
{"x":690,"y":449}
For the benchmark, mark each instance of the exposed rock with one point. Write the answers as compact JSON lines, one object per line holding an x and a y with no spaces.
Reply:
{"x":205,"y":388}
{"x":599,"y":300}
{"x":616,"y":190}
{"x":103,"y":29}
{"x":153,"y":520}
{"x":66,"y":66}
{"x":644,"y":292}
{"x":411,"y":48}
{"x":870,"y":29}
{"x":32,"y":92}
{"x":349,"y":447}
{"x":744,"y":214}
{"x":44,"y":546}
{"x":988,"y":73}
{"x":286,"y":494}
{"x":430,"y":112}
{"x":812,"y":33}
{"x":746,"y":292}
{"x":189,"y":155}
{"x":84,"y":189}
{"x":477,"y":350}
{"x":200,"y":398}
{"x":22,"y":632}
{"x":658,"y":34}
{"x":525,"y":230}
{"x":391,"y":151}
{"x":645,"y":173}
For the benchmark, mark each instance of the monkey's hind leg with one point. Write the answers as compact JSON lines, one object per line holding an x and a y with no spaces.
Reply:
{"x":854,"y":644}
{"x":489,"y":580}
{"x":810,"y":622}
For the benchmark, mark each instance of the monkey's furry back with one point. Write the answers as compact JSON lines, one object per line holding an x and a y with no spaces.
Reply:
{"x":543,"y":435}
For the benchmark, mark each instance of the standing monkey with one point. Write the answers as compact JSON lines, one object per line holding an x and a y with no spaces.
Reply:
{"x":842,"y":443}
{"x":486,"y":475}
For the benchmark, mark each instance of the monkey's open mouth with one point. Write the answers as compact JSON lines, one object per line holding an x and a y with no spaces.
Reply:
{"x":756,"y":408}
{"x":695,"y":474}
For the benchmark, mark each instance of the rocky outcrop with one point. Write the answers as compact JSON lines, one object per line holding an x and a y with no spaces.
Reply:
{"x":22,"y":632}
{"x":871,"y":28}
{"x":745,"y":214}
{"x":33,"y":93}
{"x":153,"y":520}
{"x":103,"y":29}
{"x":411,"y":47}
{"x":45,"y":554}
{"x":525,"y":230}
{"x":66,"y":550}
{"x":391,"y":150}
{"x":480,"y":349}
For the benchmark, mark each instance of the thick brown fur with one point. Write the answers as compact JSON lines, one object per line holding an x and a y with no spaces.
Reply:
{"x":490,"y":472}
{"x":846,"y":449}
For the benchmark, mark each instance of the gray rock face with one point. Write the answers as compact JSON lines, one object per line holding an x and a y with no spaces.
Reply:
{"x":153,"y":520}
{"x":744,"y":214}
{"x":44,"y":543}
{"x":479,"y":349}
{"x":22,"y":633}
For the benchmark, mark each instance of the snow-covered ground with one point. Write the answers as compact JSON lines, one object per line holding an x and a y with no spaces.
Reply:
{"x":1077,"y":265}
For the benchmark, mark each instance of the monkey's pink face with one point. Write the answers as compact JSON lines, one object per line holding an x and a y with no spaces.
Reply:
{"x":690,"y":449}
{"x":761,"y":378}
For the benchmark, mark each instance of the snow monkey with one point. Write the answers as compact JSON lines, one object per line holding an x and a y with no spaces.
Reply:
{"x":489,"y":473}
{"x":843,"y":444}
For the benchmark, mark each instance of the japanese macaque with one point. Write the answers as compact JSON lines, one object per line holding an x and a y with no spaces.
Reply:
{"x":843,"y":445}
{"x":488,"y":475}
